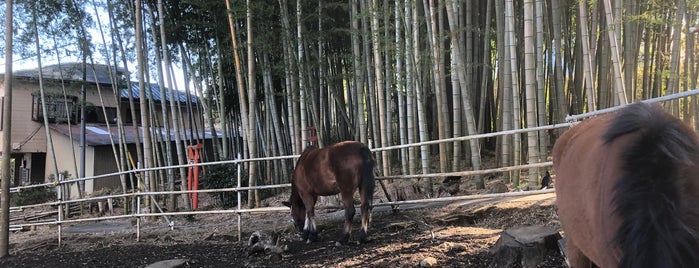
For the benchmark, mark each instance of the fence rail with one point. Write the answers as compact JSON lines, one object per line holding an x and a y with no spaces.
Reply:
{"x":239,"y":210}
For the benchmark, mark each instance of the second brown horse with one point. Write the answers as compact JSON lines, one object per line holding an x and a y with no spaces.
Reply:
{"x":627,"y":190}
{"x":340,"y":168}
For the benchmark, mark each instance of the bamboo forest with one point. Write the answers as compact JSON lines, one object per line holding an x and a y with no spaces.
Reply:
{"x":408,"y":78}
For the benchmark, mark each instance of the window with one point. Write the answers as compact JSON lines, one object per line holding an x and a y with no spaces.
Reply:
{"x":95,"y":114}
{"x":57,"y":107}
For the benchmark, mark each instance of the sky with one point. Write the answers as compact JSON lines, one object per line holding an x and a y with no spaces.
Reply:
{"x":19,"y":63}
{"x":23,"y":64}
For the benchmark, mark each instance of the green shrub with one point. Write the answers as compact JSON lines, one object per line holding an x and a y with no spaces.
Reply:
{"x":32,"y":196}
{"x":222,"y":176}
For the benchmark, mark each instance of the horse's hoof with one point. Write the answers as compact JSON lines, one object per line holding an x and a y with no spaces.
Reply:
{"x":313,"y":237}
{"x":343,"y":240}
{"x":363,"y":237}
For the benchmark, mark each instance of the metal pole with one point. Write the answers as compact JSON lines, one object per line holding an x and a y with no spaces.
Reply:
{"x":138,"y":208}
{"x":239,"y":198}
{"x":138,"y":219}
{"x":60,"y":206}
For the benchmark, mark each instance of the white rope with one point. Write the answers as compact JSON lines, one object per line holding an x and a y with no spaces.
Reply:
{"x":469,"y":173}
{"x":680,"y":95}
{"x":467,"y":197}
{"x":476,"y":136}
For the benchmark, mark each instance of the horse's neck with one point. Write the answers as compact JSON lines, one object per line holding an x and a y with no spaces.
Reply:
{"x":306,"y":152}
{"x":295,"y":198}
{"x":309,"y":149}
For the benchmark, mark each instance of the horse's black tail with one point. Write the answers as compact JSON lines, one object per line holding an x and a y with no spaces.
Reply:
{"x":367,"y":173}
{"x":654,"y":231}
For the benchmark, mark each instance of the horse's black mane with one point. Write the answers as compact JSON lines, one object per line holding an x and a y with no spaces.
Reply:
{"x":294,"y":193}
{"x":307,"y":150}
{"x":654,"y":231}
{"x":294,"y":199}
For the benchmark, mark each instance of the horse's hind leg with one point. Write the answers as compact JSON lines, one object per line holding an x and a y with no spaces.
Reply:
{"x":347,"y":202}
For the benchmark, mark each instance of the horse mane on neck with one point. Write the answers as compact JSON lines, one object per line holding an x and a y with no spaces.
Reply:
{"x":295,"y":198}
{"x":306,"y":151}
{"x":303,"y":156}
{"x":655,"y":230}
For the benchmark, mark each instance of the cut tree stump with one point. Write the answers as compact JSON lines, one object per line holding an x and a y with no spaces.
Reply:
{"x":563,"y":246}
{"x":526,"y":245}
{"x":271,"y":244}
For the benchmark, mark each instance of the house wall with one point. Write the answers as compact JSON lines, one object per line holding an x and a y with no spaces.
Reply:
{"x":66,"y":153}
{"x":27,"y":136}
{"x":67,"y":156}
{"x":103,"y":162}
{"x":99,"y":160}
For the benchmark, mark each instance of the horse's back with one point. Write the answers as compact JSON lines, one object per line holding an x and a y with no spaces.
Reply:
{"x":347,"y":156}
{"x":347,"y":159}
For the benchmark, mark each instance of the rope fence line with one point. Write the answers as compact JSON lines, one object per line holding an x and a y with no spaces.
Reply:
{"x":138,"y":215}
{"x":684,"y":94}
{"x":569,"y":119}
{"x":569,"y":122}
{"x":476,"y":136}
{"x":466,"y":197}
{"x":468,"y":173}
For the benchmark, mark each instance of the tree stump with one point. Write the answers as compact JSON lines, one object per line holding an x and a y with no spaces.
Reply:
{"x":526,"y":245}
{"x":563,"y":246}
{"x":268,"y":243}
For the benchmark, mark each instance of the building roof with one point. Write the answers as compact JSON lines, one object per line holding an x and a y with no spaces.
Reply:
{"x":99,"y":134}
{"x":155,"y":93}
{"x":74,"y":72}
{"x":98,"y":73}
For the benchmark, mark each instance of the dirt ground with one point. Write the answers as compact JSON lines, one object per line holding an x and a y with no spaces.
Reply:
{"x":456,"y":234}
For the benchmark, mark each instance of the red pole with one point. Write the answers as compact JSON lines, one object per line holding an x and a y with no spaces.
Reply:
{"x":189,"y":172}
{"x":193,"y":173}
{"x":195,"y":201}
{"x":312,"y":136}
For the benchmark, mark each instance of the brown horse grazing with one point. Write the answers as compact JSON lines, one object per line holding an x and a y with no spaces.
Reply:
{"x":627,"y":190}
{"x":340,"y":168}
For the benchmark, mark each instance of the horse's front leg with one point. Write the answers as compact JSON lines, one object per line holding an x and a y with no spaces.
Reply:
{"x":575,"y":257}
{"x":348,"y":203}
{"x":310,"y":232}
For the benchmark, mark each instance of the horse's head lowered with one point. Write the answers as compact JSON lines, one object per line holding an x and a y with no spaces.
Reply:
{"x":298,"y":209}
{"x":298,"y":213}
